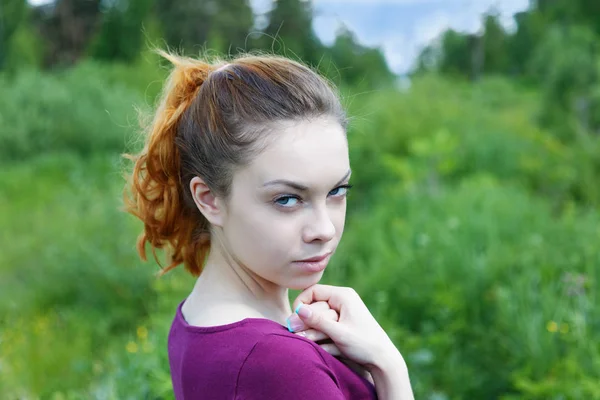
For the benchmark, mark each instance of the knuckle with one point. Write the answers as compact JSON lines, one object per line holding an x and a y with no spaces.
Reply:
{"x":316,"y":318}
{"x":332,"y":314}
{"x":321,"y":305}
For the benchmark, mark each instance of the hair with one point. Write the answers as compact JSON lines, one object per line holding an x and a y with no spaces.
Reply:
{"x":210,"y":119}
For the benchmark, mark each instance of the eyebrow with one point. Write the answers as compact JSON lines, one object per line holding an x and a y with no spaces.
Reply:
{"x":300,"y":187}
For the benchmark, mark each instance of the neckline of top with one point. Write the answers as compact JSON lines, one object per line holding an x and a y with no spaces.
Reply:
{"x":224,"y":327}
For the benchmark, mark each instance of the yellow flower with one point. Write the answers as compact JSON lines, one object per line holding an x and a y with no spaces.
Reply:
{"x":552,"y":326}
{"x":132,"y":347}
{"x":564,"y":328}
{"x":142,"y":332}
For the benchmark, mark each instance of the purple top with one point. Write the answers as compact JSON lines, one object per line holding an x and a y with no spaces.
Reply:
{"x":256,"y":358}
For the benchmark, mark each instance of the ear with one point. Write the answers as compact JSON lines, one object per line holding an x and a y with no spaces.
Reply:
{"x":209,"y":205}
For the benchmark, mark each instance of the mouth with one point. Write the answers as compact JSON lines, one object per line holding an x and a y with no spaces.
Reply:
{"x":316,"y":258}
{"x":314,"y":264}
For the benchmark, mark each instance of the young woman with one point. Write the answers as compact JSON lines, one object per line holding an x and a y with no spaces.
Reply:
{"x":243,"y":179}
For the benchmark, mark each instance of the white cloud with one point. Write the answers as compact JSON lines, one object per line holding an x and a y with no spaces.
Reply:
{"x":467,"y":18}
{"x":261,"y":6}
{"x":377,"y":2}
{"x":428,"y":28}
{"x":398,"y":53}
{"x":400,"y":47}
{"x":326,"y":26}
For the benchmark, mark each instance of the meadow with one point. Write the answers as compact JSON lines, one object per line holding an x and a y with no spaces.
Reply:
{"x":472,"y":235}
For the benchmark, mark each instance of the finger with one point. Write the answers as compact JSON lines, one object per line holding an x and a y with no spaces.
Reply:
{"x":321,"y":322}
{"x":295,"y":324}
{"x":332,"y":315}
{"x":313,"y":334}
{"x":333,"y":295}
{"x":331,"y":349}
{"x":312,"y":294}
{"x":320,"y":305}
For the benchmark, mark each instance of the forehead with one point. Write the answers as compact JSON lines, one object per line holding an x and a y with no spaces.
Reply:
{"x":308,"y":152}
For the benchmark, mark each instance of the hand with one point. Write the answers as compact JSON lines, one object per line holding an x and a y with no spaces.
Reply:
{"x":296,"y":325}
{"x":356,"y":333}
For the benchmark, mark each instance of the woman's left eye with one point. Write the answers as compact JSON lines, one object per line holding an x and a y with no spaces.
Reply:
{"x":340,"y":191}
{"x":287,"y":201}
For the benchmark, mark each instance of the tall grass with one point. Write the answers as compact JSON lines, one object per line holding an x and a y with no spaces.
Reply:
{"x":472,"y":236}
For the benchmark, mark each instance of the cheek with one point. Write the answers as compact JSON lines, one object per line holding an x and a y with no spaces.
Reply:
{"x":262,"y":238}
{"x":338,"y":217}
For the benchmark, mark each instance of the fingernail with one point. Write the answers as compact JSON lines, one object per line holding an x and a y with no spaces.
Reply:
{"x":304,"y":312}
{"x":294,"y":323}
{"x":298,"y":308}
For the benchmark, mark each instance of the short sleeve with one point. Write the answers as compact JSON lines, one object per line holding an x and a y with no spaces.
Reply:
{"x":283,"y":367}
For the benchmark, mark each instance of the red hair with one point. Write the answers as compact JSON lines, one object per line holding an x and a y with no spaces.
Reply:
{"x":210,"y":119}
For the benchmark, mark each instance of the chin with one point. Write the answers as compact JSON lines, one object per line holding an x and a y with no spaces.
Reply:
{"x":304,"y":282}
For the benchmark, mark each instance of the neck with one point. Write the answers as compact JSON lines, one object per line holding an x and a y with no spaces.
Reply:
{"x":224,"y":282}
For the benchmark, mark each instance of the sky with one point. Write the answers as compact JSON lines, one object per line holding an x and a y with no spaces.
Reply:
{"x":401,"y":28}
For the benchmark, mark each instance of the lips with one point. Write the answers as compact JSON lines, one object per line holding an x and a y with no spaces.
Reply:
{"x":318,"y":265}
{"x":316,"y":259}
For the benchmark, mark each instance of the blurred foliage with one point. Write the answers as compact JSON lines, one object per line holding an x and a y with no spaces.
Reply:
{"x":478,"y":228}
{"x":554,"y":47}
{"x":472,"y":226}
{"x":120,"y":37}
{"x":73,"y":110}
{"x":63,"y":33}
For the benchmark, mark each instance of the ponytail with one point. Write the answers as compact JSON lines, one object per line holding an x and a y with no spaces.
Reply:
{"x":156,"y":191}
{"x":208,"y":127}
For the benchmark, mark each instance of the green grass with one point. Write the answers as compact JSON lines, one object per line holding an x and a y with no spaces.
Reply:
{"x":471,"y":235}
{"x":70,"y":279}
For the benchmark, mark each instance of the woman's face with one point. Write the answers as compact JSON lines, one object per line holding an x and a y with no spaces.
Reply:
{"x":289,"y":204}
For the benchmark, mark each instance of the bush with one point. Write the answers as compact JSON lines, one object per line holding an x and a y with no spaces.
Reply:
{"x":444,"y":132}
{"x":75,"y":111}
{"x":70,"y":279}
{"x":483,"y":289}
{"x":469,"y":236}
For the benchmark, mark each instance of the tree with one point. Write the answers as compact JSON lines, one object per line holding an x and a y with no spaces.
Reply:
{"x":495,"y":45}
{"x":456,"y":53}
{"x":290,"y":32}
{"x":185,"y":23}
{"x":230,"y":24}
{"x":67,"y":27}
{"x":358,"y":65}
{"x":120,"y":34}
{"x":530,"y":30}
{"x":566,"y":64}
{"x":12,"y":14}
{"x":190,"y":25}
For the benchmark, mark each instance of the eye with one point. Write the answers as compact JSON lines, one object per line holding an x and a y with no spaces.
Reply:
{"x":287,"y":201}
{"x":340,"y":191}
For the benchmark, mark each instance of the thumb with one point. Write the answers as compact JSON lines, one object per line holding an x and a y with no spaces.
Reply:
{"x":318,"y":320}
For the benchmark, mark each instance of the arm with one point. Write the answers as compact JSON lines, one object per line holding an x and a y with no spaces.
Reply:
{"x":390,"y":376}
{"x":359,"y":369}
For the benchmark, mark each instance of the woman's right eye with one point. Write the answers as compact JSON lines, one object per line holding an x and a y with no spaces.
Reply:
{"x":287,"y":201}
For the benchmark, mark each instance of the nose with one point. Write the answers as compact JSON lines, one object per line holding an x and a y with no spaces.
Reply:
{"x":320,"y":226}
